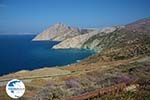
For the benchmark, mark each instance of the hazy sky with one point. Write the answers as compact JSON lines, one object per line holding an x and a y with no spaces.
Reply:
{"x":21,"y":16}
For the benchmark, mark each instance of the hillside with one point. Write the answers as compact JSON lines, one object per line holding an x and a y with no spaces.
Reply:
{"x":125,"y":40}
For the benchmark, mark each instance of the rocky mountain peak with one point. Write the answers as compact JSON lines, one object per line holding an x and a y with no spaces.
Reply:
{"x":62,"y":26}
{"x":58,"y":32}
{"x":59,"y":24}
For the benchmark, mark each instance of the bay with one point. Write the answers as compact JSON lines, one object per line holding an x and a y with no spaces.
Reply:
{"x":18,"y":52}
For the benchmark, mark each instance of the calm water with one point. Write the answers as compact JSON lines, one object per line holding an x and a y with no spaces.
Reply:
{"x":18,"y":52}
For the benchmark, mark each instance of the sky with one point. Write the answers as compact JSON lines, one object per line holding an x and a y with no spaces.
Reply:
{"x":33,"y":16}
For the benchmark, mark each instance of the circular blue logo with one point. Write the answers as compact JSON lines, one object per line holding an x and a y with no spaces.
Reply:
{"x":15,"y":88}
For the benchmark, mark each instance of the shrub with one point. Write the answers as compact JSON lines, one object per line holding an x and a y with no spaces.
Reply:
{"x":72,"y":83}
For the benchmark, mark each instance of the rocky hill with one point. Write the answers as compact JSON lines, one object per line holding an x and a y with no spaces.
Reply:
{"x":78,"y":41}
{"x":59,"y":32}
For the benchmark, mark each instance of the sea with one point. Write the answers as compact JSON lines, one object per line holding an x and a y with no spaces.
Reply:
{"x":19,"y":52}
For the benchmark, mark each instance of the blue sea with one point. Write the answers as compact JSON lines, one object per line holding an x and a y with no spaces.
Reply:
{"x":18,"y":52}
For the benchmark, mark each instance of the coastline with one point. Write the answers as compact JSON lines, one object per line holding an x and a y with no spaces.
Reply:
{"x":26,"y":55}
{"x":48,"y":68}
{"x":37,"y":79}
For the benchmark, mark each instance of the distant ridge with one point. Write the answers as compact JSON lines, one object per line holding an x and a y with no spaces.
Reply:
{"x":141,"y":25}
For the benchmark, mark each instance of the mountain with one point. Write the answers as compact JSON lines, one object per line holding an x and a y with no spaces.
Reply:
{"x":59,"y":32}
{"x":79,"y":40}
